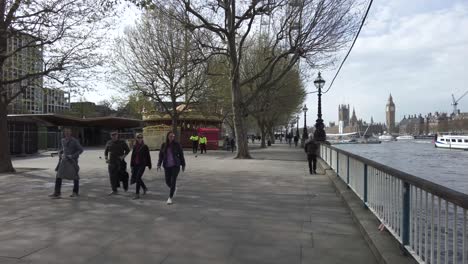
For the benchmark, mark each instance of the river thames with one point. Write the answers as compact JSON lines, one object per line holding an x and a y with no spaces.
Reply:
{"x":419,"y":158}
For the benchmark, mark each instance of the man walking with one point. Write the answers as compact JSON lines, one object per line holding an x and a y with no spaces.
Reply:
{"x":203,"y":141}
{"x":312,"y":149}
{"x":194,"y":139}
{"x":68,"y":164}
{"x":115,"y":152}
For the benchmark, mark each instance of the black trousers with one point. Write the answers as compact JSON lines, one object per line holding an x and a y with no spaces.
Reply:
{"x":202,"y":148}
{"x":195,"y":146}
{"x":138,"y":171}
{"x":312,"y":159}
{"x":58,"y":185}
{"x":114,"y":169}
{"x":171,"y":178}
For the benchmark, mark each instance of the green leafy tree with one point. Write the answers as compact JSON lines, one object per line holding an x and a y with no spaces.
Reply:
{"x":310,"y":29}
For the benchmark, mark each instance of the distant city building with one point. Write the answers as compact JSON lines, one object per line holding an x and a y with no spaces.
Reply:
{"x":22,"y":62}
{"x":353,"y":124}
{"x":55,"y":101}
{"x":434,"y":123}
{"x":390,"y":115}
{"x":343,"y":114}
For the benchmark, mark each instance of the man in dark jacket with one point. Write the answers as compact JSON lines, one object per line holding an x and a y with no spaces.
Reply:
{"x":116,"y":151}
{"x":68,"y":164}
{"x":312,"y":149}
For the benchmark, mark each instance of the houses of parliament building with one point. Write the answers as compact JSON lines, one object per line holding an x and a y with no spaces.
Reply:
{"x":415,"y":125}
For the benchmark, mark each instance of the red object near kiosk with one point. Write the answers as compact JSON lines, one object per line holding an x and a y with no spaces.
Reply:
{"x":212,"y":135}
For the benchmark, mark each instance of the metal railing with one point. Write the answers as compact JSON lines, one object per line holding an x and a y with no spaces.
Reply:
{"x":428,"y":219}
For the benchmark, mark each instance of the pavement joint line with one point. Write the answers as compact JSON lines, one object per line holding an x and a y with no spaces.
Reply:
{"x":12,"y":220}
{"x":35,"y":251}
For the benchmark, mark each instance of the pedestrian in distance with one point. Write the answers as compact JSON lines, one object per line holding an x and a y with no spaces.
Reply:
{"x":139,"y":160}
{"x":202,"y":142}
{"x":194,"y":138}
{"x":312,"y":148}
{"x":296,"y":140}
{"x":171,"y":157}
{"x":115,"y":152}
{"x":68,"y":168}
{"x":233,"y":144}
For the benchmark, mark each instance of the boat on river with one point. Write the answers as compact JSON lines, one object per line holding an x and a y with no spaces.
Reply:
{"x":404,"y":137}
{"x":451,"y":141}
{"x":386,"y":137}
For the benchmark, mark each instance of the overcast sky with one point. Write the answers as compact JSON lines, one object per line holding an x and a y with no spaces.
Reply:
{"x":416,"y":50}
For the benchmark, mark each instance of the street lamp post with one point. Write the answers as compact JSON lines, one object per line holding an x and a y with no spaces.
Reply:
{"x":297,"y":127}
{"x":319,"y":133}
{"x":305,"y":135}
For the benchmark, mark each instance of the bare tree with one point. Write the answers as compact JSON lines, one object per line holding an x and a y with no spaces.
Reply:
{"x":56,"y":39}
{"x":310,"y":29}
{"x":158,"y":58}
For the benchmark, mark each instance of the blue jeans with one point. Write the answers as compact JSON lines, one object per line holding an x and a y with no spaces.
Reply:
{"x":137,"y":172}
{"x":171,"y":174}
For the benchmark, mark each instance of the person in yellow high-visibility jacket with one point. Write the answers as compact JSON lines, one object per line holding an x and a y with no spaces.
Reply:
{"x":202,"y":141}
{"x":194,"y":139}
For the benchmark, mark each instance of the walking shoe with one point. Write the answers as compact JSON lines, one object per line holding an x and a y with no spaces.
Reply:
{"x":315,"y":172}
{"x":169,"y":200}
{"x":113,"y":193}
{"x":55,"y":196}
{"x":145,"y":190}
{"x":74,"y":194}
{"x":136,"y":197}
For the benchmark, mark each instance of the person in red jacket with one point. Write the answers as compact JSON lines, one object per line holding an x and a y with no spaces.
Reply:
{"x":140,"y":160}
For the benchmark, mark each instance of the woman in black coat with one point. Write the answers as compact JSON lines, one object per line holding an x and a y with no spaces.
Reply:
{"x":171,"y":156}
{"x":140,"y":160}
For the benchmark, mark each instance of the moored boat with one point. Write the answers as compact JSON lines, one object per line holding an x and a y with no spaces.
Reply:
{"x":405,"y":137}
{"x":386,"y":137}
{"x":451,"y":141}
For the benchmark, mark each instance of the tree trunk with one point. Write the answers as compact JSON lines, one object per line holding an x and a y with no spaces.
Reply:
{"x":263,"y":142}
{"x":5,"y":157}
{"x":272,"y":135}
{"x":239,"y":121}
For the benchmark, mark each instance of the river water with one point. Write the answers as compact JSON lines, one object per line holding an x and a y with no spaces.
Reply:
{"x":419,"y":158}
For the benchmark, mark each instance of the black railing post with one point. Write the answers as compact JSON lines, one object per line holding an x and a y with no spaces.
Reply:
{"x":337,"y":164}
{"x":347,"y":172}
{"x":406,"y":213}
{"x":365,"y":185}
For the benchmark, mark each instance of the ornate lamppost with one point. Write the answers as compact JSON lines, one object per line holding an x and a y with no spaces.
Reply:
{"x":297,"y":127}
{"x":319,"y":133}
{"x":305,"y":135}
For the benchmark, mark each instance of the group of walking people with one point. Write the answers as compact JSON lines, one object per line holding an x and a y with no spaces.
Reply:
{"x":171,"y":159}
{"x":199,"y":141}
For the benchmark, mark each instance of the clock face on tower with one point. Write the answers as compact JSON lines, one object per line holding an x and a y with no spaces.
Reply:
{"x":390,"y":108}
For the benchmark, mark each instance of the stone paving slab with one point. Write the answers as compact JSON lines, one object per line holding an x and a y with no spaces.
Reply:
{"x":265,"y":210}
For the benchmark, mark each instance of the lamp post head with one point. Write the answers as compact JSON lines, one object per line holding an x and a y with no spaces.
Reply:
{"x":319,"y":81}
{"x":305,"y":109}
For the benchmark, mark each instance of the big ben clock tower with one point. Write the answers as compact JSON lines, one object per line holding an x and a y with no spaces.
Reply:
{"x":390,"y":114}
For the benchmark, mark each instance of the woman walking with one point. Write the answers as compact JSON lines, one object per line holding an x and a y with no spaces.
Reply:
{"x":140,"y":160}
{"x":171,"y":156}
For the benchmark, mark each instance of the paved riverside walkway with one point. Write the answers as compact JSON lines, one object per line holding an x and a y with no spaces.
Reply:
{"x":267,"y":210}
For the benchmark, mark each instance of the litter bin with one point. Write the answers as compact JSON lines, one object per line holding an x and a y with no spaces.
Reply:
{"x":269,"y":142}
